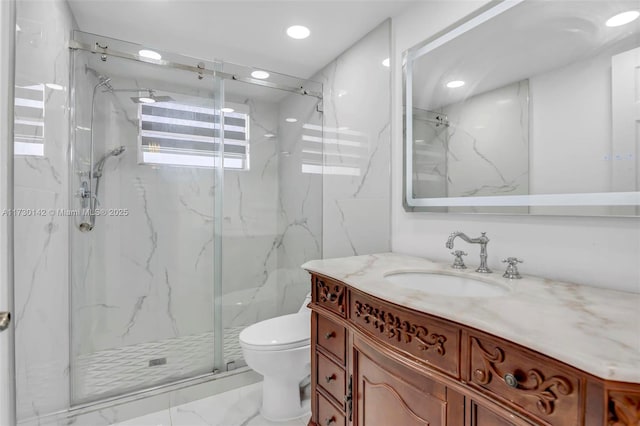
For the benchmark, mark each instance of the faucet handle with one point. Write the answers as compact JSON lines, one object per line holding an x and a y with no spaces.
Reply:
{"x":458,"y":263}
{"x":512,"y":267}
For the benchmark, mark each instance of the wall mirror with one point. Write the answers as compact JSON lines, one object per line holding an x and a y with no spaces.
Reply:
{"x":526,"y":107}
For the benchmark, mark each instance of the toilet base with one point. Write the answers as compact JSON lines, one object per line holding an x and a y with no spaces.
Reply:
{"x":281,"y":400}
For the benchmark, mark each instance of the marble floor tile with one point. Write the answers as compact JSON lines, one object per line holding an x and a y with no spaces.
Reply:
{"x":237,"y":407}
{"x":159,"y":418}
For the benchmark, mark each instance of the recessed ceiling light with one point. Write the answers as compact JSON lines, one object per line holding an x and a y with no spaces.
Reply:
{"x":150,"y":54}
{"x":298,"y":32}
{"x":54,"y":86}
{"x":146,"y":100}
{"x":455,"y":83}
{"x":269,"y":135}
{"x":18,"y":28}
{"x":226,"y":109}
{"x":386,"y":62}
{"x":260,"y":74}
{"x":622,"y":18}
{"x":290,"y":120}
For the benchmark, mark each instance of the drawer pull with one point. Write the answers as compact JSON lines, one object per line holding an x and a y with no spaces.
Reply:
{"x":511,"y":380}
{"x":330,"y":420}
{"x":330,"y":335}
{"x":330,"y":378}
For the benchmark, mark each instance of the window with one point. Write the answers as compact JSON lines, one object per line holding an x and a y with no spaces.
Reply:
{"x":29,"y":120}
{"x":186,"y":135}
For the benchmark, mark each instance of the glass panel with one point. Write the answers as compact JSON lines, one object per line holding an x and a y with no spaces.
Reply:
{"x":272,"y":218}
{"x":142,"y":234}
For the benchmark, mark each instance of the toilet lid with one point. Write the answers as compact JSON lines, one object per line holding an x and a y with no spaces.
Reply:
{"x":284,"y":332}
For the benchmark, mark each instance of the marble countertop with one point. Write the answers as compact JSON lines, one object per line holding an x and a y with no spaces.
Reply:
{"x":593,"y":329}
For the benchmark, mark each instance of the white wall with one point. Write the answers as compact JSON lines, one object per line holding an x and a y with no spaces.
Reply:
{"x":571,"y":124}
{"x":603,"y":252}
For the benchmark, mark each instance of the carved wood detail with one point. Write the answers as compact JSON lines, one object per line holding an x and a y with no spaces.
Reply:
{"x":546,"y":390}
{"x":332,"y":294}
{"x":624,"y":409}
{"x":392,"y":326}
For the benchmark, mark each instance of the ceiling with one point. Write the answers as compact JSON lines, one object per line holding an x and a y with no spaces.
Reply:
{"x":249,"y":33}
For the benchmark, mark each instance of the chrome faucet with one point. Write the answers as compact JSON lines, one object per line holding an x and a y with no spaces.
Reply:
{"x":482,"y":240}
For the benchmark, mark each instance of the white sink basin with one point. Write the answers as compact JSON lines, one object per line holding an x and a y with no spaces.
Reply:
{"x":446,"y":285}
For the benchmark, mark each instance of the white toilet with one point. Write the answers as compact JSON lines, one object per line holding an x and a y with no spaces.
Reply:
{"x":280,"y":349}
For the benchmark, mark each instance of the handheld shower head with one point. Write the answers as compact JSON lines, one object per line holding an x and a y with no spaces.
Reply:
{"x":117,"y":151}
{"x":97,"y":172}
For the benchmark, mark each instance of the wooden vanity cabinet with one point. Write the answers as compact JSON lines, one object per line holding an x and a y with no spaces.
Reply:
{"x":375,"y":363}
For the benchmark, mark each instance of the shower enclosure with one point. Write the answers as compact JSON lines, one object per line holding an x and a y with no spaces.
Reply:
{"x":194,"y":195}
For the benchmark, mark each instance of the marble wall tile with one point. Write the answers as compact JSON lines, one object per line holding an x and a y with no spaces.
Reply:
{"x":41,"y":273}
{"x":357,"y":148}
{"x":488,"y":145}
{"x":476,"y":127}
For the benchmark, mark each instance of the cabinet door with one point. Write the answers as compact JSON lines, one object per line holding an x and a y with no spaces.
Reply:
{"x":386,"y":393}
{"x":483,"y":416}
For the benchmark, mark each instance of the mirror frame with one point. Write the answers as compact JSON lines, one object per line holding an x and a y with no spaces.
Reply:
{"x":435,"y":205}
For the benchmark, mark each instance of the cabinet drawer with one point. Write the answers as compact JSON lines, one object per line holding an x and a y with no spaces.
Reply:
{"x":330,"y":294}
{"x":419,"y":335}
{"x":331,"y":337}
{"x":538,"y":386}
{"x":331,"y":378}
{"x":328,"y":415}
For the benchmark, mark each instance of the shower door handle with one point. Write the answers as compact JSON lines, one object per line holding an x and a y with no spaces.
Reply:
{"x":5,"y":319}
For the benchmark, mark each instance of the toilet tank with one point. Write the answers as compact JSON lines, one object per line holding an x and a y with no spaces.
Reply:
{"x":307,"y":300}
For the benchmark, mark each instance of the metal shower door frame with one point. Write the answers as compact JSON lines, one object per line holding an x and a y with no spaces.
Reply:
{"x":7,"y":328}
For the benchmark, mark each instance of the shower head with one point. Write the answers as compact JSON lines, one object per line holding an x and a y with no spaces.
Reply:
{"x":151,"y":98}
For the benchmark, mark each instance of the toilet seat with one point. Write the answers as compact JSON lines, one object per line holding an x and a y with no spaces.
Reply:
{"x":277,"y":334}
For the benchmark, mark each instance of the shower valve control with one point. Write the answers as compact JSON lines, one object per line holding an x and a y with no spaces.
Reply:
{"x":83,"y":191}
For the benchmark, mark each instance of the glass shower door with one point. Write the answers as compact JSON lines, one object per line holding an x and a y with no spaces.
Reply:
{"x":272,"y":209}
{"x":145,"y":147}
